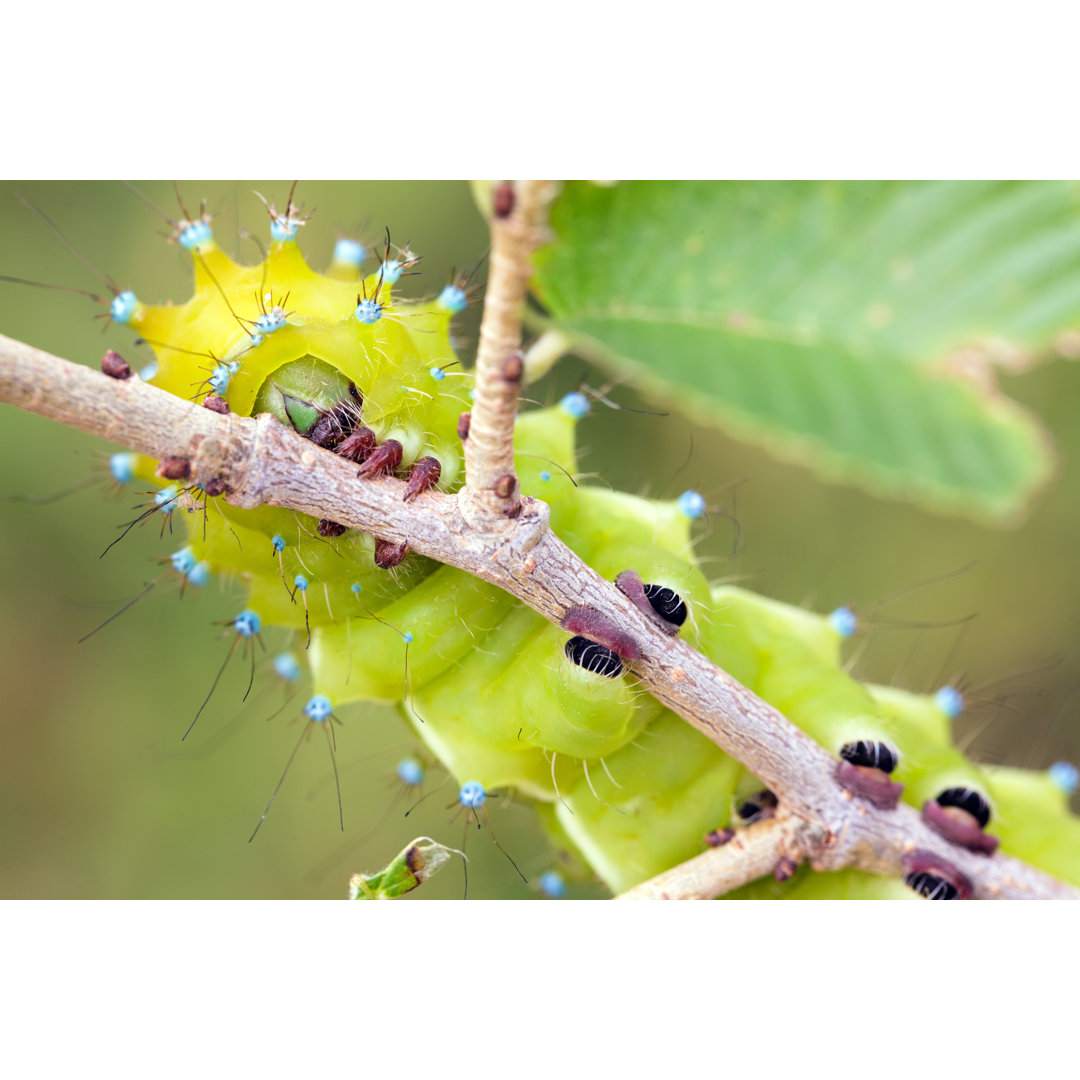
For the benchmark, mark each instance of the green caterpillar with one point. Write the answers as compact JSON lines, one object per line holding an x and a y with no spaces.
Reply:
{"x":487,"y":684}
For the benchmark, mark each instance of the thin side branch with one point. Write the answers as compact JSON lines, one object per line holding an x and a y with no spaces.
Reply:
{"x":260,"y":462}
{"x":490,"y":479}
{"x":752,"y":853}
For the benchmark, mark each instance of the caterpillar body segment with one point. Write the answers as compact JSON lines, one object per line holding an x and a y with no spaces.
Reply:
{"x":1033,"y":821}
{"x":649,"y":808}
{"x":823,"y":700}
{"x":766,"y":621}
{"x":918,"y":716}
{"x":837,"y":885}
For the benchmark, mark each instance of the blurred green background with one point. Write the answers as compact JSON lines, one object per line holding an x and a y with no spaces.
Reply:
{"x":99,"y":798}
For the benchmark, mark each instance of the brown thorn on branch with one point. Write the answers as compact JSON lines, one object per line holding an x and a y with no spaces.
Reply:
{"x":489,"y":450}
{"x":256,"y":462}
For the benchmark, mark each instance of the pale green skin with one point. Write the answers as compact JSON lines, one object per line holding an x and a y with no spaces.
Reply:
{"x":840,"y":885}
{"x":499,"y":701}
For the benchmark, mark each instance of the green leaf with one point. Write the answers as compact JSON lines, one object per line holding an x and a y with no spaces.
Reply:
{"x":408,"y":870}
{"x":852,"y":327}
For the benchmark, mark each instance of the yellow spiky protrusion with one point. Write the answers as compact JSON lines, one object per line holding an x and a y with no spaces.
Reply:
{"x":229,"y":320}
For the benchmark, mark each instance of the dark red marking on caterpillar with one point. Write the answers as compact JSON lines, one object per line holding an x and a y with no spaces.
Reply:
{"x":423,"y":475}
{"x":662,"y":606}
{"x":920,"y":863}
{"x":503,"y":201}
{"x":589,"y":623}
{"x":592,"y":657}
{"x":336,"y":424}
{"x":873,"y":785}
{"x":958,"y":825}
{"x":785,"y":869}
{"x":388,"y":554}
{"x":173,"y":468}
{"x":513,"y":367}
{"x":759,"y":807}
{"x":331,"y":529}
{"x":506,"y":486}
{"x":463,"y":422}
{"x":719,"y":837}
{"x":215,"y":487}
{"x":332,"y":427}
{"x":385,"y":458}
{"x":216,"y":404}
{"x":357,"y":446}
{"x":864,"y":772}
{"x":114,"y":365}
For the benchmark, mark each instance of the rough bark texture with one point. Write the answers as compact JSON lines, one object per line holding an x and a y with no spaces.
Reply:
{"x":489,"y":450}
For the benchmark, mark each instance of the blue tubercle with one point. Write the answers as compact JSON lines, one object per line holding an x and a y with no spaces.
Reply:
{"x":122,"y":467}
{"x":301,"y":582}
{"x":691,"y":504}
{"x":199,"y":574}
{"x":410,"y":772}
{"x":222,"y":375}
{"x":368,"y":311}
{"x":319,"y":708}
{"x":472,"y":795}
{"x":248,"y":623}
{"x":278,"y":543}
{"x":273,"y":320}
{"x":350,"y":252}
{"x":391,"y":271}
{"x":123,"y":306}
{"x":357,"y":588}
{"x":453,"y":299}
{"x":545,"y":476}
{"x":576,"y":404}
{"x":183,"y":561}
{"x":1065,"y":776}
{"x":195,"y":235}
{"x":407,"y":638}
{"x":166,"y":498}
{"x":255,"y":340}
{"x":287,"y":667}
{"x":282,"y":229}
{"x":149,"y":372}
{"x":438,"y":374}
{"x":844,"y":621}
{"x":552,"y":885}
{"x":950,"y":701}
